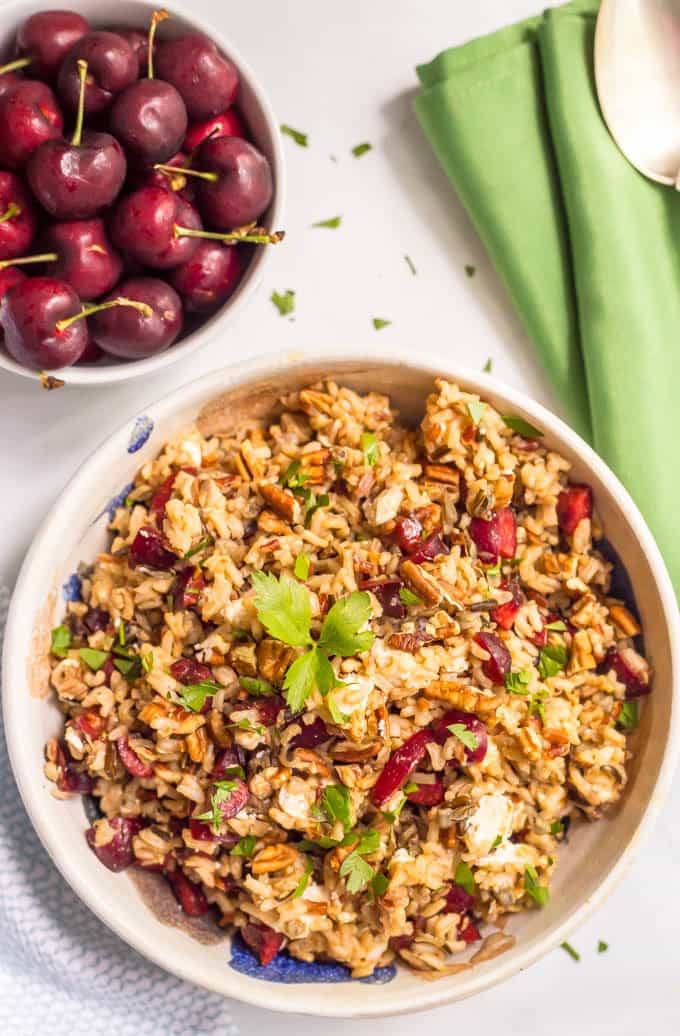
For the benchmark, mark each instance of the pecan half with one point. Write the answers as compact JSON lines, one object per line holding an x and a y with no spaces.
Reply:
{"x":445,"y":473}
{"x":273,"y":658}
{"x":273,"y":858}
{"x":267,"y":521}
{"x":346,"y":752}
{"x":410,"y":642}
{"x":421,"y":582}
{"x":461,"y":696}
{"x":280,"y":501}
{"x":197,"y":743}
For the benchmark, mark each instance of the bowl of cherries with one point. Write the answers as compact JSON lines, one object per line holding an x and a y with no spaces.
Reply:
{"x":141,"y":188}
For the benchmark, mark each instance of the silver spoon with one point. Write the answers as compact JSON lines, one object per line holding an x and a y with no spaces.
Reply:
{"x":637,"y":74}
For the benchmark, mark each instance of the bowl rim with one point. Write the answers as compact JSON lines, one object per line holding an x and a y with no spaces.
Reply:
{"x":116,"y":373}
{"x":229,"y":378}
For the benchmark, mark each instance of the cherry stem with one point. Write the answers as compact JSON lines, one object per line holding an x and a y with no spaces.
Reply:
{"x":260,"y":237}
{"x":173,"y":169}
{"x":12,"y":210}
{"x":15,"y":65}
{"x":78,"y":131}
{"x":45,"y":257}
{"x":87,"y":311}
{"x":156,"y":18}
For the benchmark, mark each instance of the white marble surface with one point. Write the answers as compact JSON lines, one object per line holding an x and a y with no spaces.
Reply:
{"x":343,"y":73}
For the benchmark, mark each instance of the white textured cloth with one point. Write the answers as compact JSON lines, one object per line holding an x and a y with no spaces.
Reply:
{"x":62,"y":972}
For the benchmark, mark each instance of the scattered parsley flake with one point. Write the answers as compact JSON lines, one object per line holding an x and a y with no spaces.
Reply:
{"x":380,"y":322}
{"x":245,"y":724}
{"x":335,"y":804}
{"x":557,"y":827}
{"x":238,"y":634}
{"x":293,"y":478}
{"x":551,"y":660}
{"x":330,"y":224}
{"x":203,"y":545}
{"x":370,"y":447}
{"x":464,"y":735}
{"x":522,"y":427}
{"x":357,"y":871}
{"x":223,"y":790}
{"x":465,"y":878}
{"x":475,"y":409}
{"x":147,"y":661}
{"x":301,"y":139}
{"x":410,"y":788}
{"x":407,"y":596}
{"x":193,"y":695}
{"x":380,"y":884}
{"x":493,"y":570}
{"x":301,"y":567}
{"x":245,"y":846}
{"x":169,"y":602}
{"x":537,"y":705}
{"x":517,"y":682}
{"x":557,"y":626}
{"x":538,"y":893}
{"x":121,"y":633}
{"x":360,"y":149}
{"x":497,"y":841}
{"x":256,"y":686}
{"x":486,"y":369}
{"x":94,"y":660}
{"x":61,"y":641}
{"x":602,"y":946}
{"x":304,"y":880}
{"x":470,"y":270}
{"x":409,"y":262}
{"x":568,"y":948}
{"x":285,"y":303}
{"x":628,"y":716}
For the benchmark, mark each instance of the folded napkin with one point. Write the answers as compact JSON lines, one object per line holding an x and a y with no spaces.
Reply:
{"x":62,"y":971}
{"x":589,"y":250}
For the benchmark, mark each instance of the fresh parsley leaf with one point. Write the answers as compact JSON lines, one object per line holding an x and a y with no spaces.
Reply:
{"x":517,"y":682}
{"x":245,"y":846}
{"x":335,"y":804}
{"x":340,"y":631}
{"x":304,"y":880}
{"x":537,"y":705}
{"x":203,"y":545}
{"x":61,"y":641}
{"x":465,"y":878}
{"x":147,"y":661}
{"x":357,"y":871}
{"x":301,"y":139}
{"x":380,"y":884}
{"x":130,"y":667}
{"x":379,"y":323}
{"x":369,"y":841}
{"x":94,"y":660}
{"x":493,"y":570}
{"x":259,"y":687}
{"x":284,"y":302}
{"x":551,"y":660}
{"x":538,"y":893}
{"x":360,"y":149}
{"x":223,"y":790}
{"x":568,"y":948}
{"x":487,"y":366}
{"x":522,"y":427}
{"x":470,"y":270}
{"x":464,"y":735}
{"x":331,"y":224}
{"x":301,"y":567}
{"x":336,"y":715}
{"x":410,"y":787}
{"x":369,"y":444}
{"x":475,"y":409}
{"x":602,"y":946}
{"x":497,"y":841}
{"x":313,"y":505}
{"x":301,"y":679}
{"x":628,"y":715}
{"x":409,"y":262}
{"x":557,"y":827}
{"x":193,"y":696}
{"x":407,"y":596}
{"x":283,"y":607}
{"x":292,"y":478}
{"x":557,"y":626}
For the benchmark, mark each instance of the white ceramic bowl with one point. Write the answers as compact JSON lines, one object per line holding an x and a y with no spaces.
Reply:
{"x":264,"y":130}
{"x":597,"y":854}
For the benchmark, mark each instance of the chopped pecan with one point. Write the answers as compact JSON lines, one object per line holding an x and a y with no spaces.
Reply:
{"x":346,"y":752}
{"x":170,"y":718}
{"x":218,"y":731}
{"x":421,"y":582}
{"x":445,"y":473}
{"x":273,"y":858}
{"x":410,"y":642}
{"x":430,"y":517}
{"x":273,"y":658}
{"x":504,"y":489}
{"x":582,"y":656}
{"x":267,"y":521}
{"x":624,"y":621}
{"x":281,"y":501}
{"x":251,"y":460}
{"x":197,"y":743}
{"x":461,"y":696}
{"x":241,"y":468}
{"x":243,"y":659}
{"x":311,"y":400}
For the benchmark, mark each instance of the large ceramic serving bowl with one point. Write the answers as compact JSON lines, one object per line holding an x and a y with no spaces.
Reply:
{"x":264,"y":131}
{"x":590,"y":866}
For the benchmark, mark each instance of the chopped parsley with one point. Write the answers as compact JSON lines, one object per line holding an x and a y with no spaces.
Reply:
{"x":61,"y":641}
{"x":203,"y":545}
{"x":311,"y":501}
{"x":370,"y":447}
{"x":380,"y":322}
{"x":94,"y":660}
{"x":331,"y":224}
{"x":465,"y":736}
{"x":409,"y":262}
{"x":497,"y":841}
{"x":537,"y":704}
{"x":301,"y":567}
{"x":380,"y":884}
{"x":304,"y":880}
{"x":407,"y":596}
{"x":360,"y":149}
{"x":193,"y":696}
{"x":568,"y":948}
{"x":245,"y":724}
{"x":517,"y":682}
{"x":223,"y":790}
{"x":602,"y":946}
{"x":486,"y":369}
{"x":285,"y":302}
{"x":337,"y":715}
{"x":357,"y":870}
{"x":628,"y":717}
{"x":522,"y":427}
{"x":258,"y":687}
{"x":557,"y":827}
{"x":147,"y":661}
{"x":245,"y":846}
{"x":121,"y":634}
{"x":465,"y":878}
{"x":475,"y":409}
{"x":556,"y":627}
{"x":551,"y":660}
{"x":130,"y":666}
{"x":335,"y":805}
{"x":538,"y":893}
{"x":470,"y":270}
{"x":301,"y":139}
{"x":293,"y":478}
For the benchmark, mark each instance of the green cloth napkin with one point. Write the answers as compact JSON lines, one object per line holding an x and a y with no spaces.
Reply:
{"x":588,"y":249}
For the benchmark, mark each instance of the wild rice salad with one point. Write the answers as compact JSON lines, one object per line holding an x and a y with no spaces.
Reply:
{"x":345,"y":683}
